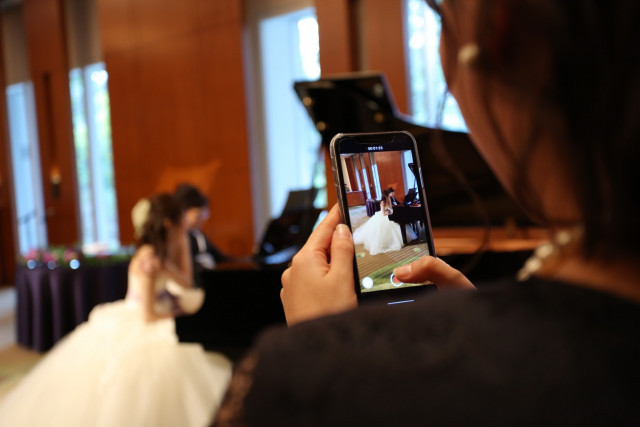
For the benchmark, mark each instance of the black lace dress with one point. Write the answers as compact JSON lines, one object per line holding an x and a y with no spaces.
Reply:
{"x":531,"y":353}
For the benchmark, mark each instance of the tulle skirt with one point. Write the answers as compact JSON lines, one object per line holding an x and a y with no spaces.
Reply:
{"x":379,"y":234}
{"x":116,"y":370}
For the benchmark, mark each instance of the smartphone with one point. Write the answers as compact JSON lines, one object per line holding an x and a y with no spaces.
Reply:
{"x":382,"y":200}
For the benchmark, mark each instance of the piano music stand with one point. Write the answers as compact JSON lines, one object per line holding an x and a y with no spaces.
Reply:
{"x":286,"y":234}
{"x":300,"y":200}
{"x":359,"y":102}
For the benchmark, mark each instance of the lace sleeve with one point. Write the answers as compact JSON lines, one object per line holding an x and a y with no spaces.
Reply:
{"x":231,"y":412}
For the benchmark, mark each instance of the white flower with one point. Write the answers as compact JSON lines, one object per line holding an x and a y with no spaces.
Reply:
{"x":139,"y":215}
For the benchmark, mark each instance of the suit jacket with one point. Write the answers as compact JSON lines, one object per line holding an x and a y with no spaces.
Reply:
{"x":204,"y":254}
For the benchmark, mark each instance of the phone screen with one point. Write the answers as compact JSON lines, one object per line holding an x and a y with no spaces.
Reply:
{"x":381,"y":196}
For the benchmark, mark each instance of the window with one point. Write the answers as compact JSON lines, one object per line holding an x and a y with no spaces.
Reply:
{"x":289,"y":52}
{"x":363,"y":170}
{"x":94,"y":156}
{"x":376,"y":178}
{"x":25,"y":157}
{"x":431,"y":103}
{"x":286,"y":149}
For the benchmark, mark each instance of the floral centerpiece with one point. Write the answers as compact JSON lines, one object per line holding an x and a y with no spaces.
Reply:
{"x":70,"y":257}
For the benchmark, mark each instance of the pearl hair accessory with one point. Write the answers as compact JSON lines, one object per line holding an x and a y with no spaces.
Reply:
{"x":468,"y":54}
{"x":550,"y":252}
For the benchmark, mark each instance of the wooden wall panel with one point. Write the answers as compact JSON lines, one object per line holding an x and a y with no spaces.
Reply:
{"x":383,"y":44}
{"x":45,"y":33}
{"x":338,"y":35}
{"x":158,"y":21}
{"x":225,"y":135}
{"x":116,"y":23}
{"x":7,"y":237}
{"x":390,"y":172}
{"x":178,"y":109}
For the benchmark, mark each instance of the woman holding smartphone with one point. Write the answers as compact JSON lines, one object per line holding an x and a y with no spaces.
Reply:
{"x":550,"y":91}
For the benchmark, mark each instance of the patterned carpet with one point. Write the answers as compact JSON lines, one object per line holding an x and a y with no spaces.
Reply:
{"x":379,"y":267}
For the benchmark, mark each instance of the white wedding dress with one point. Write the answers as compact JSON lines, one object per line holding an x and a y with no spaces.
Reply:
{"x":117,"y":370}
{"x":379,"y":234}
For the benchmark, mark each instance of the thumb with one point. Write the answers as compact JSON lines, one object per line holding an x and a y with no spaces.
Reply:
{"x":435,"y":270}
{"x":342,"y":249}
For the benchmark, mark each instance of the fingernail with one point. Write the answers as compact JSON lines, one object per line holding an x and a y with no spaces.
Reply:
{"x":402,"y":270}
{"x":343,"y":232}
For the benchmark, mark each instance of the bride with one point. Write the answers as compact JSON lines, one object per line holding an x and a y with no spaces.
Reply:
{"x":124,"y":366}
{"x":379,"y":234}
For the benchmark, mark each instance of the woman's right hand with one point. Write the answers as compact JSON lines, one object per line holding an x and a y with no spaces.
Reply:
{"x":434,"y":270}
{"x":320,"y":279}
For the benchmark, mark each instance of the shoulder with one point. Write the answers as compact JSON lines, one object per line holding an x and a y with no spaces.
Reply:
{"x":145,"y":261}
{"x":362,"y":356}
{"x":450,"y":349}
{"x":430,"y":319}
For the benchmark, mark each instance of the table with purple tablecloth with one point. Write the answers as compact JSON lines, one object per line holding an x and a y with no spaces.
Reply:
{"x":372,"y":206}
{"x":52,"y":302}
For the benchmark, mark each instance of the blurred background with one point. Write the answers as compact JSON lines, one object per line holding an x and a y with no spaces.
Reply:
{"x":107,"y":101}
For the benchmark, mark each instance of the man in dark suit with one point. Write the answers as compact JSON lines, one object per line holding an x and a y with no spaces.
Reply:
{"x":195,"y":205}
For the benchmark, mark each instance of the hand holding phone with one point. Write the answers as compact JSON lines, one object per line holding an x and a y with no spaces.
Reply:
{"x":330,"y":274}
{"x":320,"y":279}
{"x":434,"y":270}
{"x":381,"y":196}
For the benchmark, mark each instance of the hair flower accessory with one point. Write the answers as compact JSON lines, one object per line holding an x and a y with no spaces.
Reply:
{"x":139,"y":215}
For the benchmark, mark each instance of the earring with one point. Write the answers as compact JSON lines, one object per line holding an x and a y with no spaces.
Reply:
{"x":468,"y":55}
{"x":547,"y":254}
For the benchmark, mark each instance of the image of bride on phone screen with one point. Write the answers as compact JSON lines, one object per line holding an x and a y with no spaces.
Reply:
{"x":379,"y":234}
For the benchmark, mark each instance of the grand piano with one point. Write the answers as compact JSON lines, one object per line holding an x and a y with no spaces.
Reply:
{"x":408,"y":216}
{"x":243,"y":300}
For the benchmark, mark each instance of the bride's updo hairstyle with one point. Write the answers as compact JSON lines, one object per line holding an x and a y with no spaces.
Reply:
{"x":579,"y":62}
{"x":161,"y":207}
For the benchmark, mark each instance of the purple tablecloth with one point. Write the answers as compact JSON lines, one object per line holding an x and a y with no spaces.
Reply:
{"x":52,"y":302}
{"x":372,"y":206}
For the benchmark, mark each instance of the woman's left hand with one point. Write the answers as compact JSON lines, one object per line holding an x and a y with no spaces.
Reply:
{"x":320,"y":279}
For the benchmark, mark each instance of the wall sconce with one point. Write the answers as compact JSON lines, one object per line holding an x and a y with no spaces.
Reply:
{"x":55,"y":178}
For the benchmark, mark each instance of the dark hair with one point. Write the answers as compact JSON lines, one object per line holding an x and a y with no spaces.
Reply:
{"x":162,"y":206}
{"x":189,"y":196}
{"x":588,"y":94}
